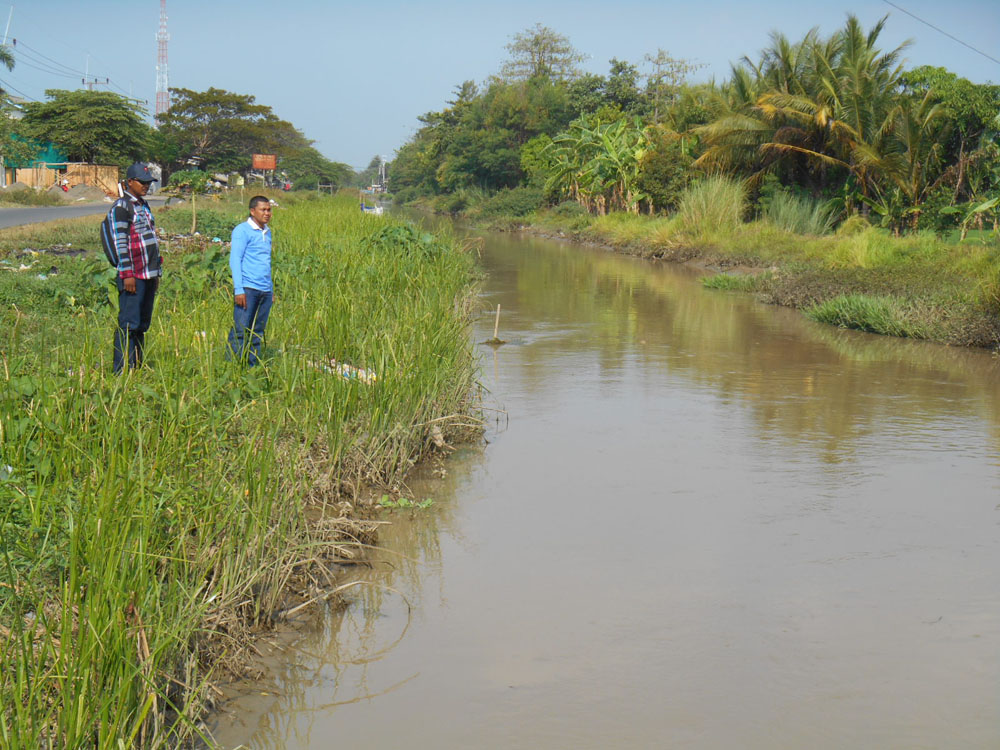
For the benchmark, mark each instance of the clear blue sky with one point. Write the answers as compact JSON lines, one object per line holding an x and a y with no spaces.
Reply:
{"x":354,"y":76}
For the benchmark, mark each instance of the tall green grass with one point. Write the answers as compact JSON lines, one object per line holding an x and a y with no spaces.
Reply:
{"x":149,"y":519}
{"x":799,"y":214}
{"x":728,"y":282}
{"x":873,"y":314}
{"x":712,"y":205}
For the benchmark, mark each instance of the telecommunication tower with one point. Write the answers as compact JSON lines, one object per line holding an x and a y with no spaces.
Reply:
{"x":162,"y":85}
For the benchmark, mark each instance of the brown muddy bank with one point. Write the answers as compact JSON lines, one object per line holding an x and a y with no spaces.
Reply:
{"x":943,"y":308}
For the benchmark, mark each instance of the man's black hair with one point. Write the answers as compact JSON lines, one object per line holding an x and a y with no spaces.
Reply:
{"x":258,"y":199}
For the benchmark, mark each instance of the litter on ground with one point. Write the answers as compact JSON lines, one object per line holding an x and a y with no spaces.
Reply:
{"x":349,"y":372}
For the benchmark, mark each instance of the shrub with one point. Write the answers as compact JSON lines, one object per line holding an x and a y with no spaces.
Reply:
{"x":853,"y":224}
{"x":519,"y":201}
{"x":30,"y":197}
{"x":989,"y":286}
{"x":664,"y":170}
{"x":406,"y":195}
{"x":192,"y":179}
{"x":938,"y":212}
{"x":711,"y":204}
{"x":870,"y":248}
{"x":211,"y":223}
{"x":798,"y":214}
{"x":569,"y":208}
{"x":459,"y":201}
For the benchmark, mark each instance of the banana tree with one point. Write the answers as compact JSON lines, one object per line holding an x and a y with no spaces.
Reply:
{"x":977,"y":214}
{"x":598,"y":164}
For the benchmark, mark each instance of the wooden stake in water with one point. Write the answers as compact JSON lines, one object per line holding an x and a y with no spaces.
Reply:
{"x":495,"y":341}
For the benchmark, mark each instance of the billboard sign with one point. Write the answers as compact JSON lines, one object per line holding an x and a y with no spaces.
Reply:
{"x":265,"y":161}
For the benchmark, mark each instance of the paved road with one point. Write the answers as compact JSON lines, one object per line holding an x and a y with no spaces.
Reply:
{"x":16,"y":216}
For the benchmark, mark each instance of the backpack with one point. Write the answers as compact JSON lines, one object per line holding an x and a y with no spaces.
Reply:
{"x":108,"y":243}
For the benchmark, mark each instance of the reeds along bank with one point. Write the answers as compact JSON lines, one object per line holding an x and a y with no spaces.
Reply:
{"x":150,"y":520}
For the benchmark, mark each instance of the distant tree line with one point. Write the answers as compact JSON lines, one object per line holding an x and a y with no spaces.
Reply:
{"x":214,"y":130}
{"x":831,"y":119}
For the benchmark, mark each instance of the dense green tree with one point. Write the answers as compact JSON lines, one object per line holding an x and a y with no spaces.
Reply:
{"x":477,"y":140}
{"x":369,"y":174}
{"x":222,"y":130}
{"x":15,"y":145}
{"x":541,"y":52}
{"x":971,"y":108}
{"x":622,"y":90}
{"x":90,"y":126}
{"x":307,"y":168}
{"x":665,"y":168}
{"x":666,"y":79}
{"x":537,"y":163}
{"x":587,"y":93}
{"x":831,"y":116}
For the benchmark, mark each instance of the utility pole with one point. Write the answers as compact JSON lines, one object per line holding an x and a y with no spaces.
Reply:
{"x":7,"y":30}
{"x":162,"y":83}
{"x":96,"y":81}
{"x":3,"y":166}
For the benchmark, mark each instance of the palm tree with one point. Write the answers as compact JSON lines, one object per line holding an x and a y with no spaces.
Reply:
{"x":820,"y":104}
{"x":7,"y":60}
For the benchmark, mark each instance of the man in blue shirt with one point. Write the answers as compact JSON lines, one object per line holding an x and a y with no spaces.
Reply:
{"x":250,"y":262}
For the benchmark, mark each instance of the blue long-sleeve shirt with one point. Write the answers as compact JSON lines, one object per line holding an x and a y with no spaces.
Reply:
{"x":250,"y":257}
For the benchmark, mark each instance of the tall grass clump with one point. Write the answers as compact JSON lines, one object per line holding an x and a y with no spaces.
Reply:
{"x":883,"y":315}
{"x":149,"y":520}
{"x":712,"y":205}
{"x":730,"y":282}
{"x":619,"y":228}
{"x":988,"y":291}
{"x":799,"y":214}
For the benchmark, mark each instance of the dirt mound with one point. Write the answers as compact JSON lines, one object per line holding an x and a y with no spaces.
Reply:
{"x":86,"y":192}
{"x":17,"y":187}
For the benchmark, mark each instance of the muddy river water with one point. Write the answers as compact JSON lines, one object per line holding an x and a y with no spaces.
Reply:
{"x":698,"y":522}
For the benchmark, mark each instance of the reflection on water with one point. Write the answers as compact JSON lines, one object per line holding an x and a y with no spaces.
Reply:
{"x":708,"y":523}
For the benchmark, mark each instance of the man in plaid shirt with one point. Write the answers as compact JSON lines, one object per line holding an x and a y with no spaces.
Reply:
{"x":139,"y":267}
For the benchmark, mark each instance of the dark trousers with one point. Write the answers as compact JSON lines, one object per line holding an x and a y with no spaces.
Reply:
{"x":247,"y":333}
{"x":135,"y":312}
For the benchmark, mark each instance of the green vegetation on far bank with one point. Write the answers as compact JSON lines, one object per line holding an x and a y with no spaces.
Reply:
{"x":823,"y":156}
{"x":150,"y":521}
{"x":861,"y":276}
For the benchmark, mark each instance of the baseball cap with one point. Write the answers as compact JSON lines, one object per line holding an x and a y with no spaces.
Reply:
{"x":140,"y":172}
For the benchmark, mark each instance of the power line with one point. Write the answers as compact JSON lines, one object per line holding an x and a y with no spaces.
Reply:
{"x":941,"y":31}
{"x":67,"y":68}
{"x":33,"y":54}
{"x":8,"y":86}
{"x":30,"y":64}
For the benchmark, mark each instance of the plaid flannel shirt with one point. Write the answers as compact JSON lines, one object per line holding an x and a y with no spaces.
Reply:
{"x":135,"y":238}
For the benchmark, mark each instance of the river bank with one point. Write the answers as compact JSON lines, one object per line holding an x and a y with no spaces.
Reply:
{"x":861,"y":277}
{"x":699,"y":521}
{"x":154,"y":523}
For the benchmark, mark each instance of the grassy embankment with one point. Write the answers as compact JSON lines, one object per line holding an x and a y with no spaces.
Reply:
{"x":149,"y":521}
{"x":29,"y":197}
{"x":857,"y":276}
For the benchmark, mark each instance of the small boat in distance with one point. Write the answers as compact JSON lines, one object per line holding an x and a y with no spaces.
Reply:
{"x":375,"y":209}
